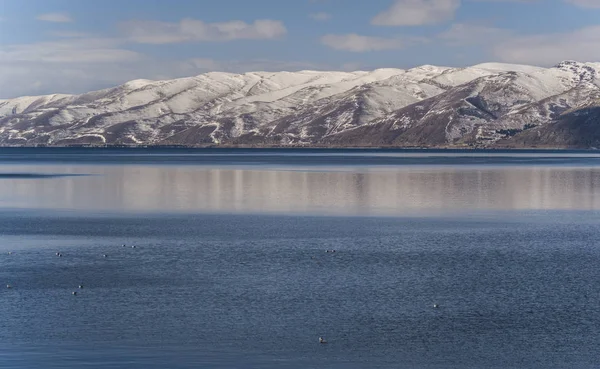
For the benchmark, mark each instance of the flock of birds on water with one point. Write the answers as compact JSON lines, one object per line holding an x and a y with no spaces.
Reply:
{"x":60,"y":255}
{"x":74,"y":293}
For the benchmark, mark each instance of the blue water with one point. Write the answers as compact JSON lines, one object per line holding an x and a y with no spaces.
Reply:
{"x":226,"y":275}
{"x":287,"y":157}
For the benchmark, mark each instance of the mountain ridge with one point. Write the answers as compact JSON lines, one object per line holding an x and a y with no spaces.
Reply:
{"x":486,"y":105}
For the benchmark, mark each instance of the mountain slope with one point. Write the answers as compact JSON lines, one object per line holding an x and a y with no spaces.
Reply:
{"x":484,"y":105}
{"x":578,"y":128}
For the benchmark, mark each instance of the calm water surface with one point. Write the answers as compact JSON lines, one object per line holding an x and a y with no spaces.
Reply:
{"x":230,"y":268}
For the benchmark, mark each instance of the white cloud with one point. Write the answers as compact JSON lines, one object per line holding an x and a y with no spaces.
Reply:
{"x":36,"y":78}
{"x":585,"y":3}
{"x":69,"y":34}
{"x":463,"y":34}
{"x":358,"y":43}
{"x":39,"y":77}
{"x":66,"y":65}
{"x":320,"y":16}
{"x":55,"y":17}
{"x":76,"y":62}
{"x":505,"y":45}
{"x":549,"y":49}
{"x":76,"y":65}
{"x":507,"y":1}
{"x":590,"y":4}
{"x":417,"y":12}
{"x":202,"y":65}
{"x":190,"y":30}
{"x":68,"y":51}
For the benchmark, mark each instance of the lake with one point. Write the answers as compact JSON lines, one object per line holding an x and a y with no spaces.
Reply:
{"x":230,"y":267}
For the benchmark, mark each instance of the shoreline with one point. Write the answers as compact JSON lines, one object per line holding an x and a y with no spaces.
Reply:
{"x":306,"y":147}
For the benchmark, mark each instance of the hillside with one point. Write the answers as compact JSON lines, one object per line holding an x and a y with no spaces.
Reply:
{"x":486,"y":105}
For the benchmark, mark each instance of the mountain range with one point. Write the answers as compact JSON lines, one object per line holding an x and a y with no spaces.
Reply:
{"x":489,"y":105}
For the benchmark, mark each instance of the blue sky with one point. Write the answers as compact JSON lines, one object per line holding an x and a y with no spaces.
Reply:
{"x":72,"y":46}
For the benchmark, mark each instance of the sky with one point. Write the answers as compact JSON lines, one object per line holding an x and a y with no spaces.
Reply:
{"x":75,"y":46}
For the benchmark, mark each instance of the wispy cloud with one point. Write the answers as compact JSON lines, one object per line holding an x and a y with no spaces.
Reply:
{"x":69,"y":34}
{"x":68,"y":65}
{"x":463,"y":34}
{"x":322,"y":16}
{"x":201,"y":65}
{"x":417,"y":13}
{"x":591,"y":4}
{"x":55,"y":17}
{"x":358,"y":43}
{"x":508,"y":1}
{"x":192,"y":30}
{"x":585,"y":3}
{"x":74,"y":64}
{"x":37,"y":77}
{"x":548,"y":49}
{"x":74,"y":50}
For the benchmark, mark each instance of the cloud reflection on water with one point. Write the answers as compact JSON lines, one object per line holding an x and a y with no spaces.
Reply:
{"x":360,"y":191}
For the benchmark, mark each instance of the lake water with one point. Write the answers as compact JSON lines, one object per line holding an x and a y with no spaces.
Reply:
{"x":230,"y":268}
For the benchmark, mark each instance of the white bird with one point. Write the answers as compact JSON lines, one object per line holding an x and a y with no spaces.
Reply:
{"x":80,"y":286}
{"x":10,"y":253}
{"x":322,"y":340}
{"x":8,"y":286}
{"x":436,"y":306}
{"x":104,"y":256}
{"x":74,"y":293}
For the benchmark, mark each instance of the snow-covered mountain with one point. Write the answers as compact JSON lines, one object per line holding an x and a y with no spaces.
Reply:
{"x":484,"y":105}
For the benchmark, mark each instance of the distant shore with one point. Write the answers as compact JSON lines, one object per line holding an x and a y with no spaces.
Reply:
{"x":309,"y":147}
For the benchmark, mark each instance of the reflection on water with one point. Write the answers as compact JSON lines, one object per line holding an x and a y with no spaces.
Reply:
{"x":382,"y":191}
